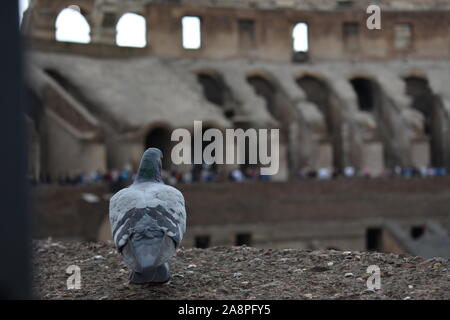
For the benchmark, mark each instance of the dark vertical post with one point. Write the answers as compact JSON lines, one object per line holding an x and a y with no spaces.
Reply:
{"x":14,"y":222}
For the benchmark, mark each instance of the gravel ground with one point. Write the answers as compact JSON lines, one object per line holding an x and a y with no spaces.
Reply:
{"x":240,"y":273}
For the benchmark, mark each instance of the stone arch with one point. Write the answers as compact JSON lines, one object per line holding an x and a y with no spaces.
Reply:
{"x":72,"y":25}
{"x":380,"y":148}
{"x":131,"y":30}
{"x":365,"y":90}
{"x":281,"y":108}
{"x":84,"y":5}
{"x":216,"y":91}
{"x":277,"y":102}
{"x":319,"y":92}
{"x":158,"y":136}
{"x":198,"y":168}
{"x":213,"y":124}
{"x":418,"y":88}
{"x":427,"y":103}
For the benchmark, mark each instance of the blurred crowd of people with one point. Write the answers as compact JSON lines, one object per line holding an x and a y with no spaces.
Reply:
{"x":113,"y":177}
{"x":209,"y":174}
{"x":351,"y":172}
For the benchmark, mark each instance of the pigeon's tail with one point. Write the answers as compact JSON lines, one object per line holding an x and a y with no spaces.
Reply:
{"x":155,"y":275}
{"x":147,"y":254}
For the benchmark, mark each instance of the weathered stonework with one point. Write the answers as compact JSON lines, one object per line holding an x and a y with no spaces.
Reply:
{"x":338,"y":108}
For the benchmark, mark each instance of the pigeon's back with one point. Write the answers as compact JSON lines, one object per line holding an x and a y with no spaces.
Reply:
{"x":150,"y":205}
{"x":148,"y":221}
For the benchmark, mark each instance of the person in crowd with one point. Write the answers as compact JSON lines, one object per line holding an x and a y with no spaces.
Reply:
{"x":323,"y":174}
{"x":236,"y":175}
{"x":349,"y":172}
{"x":250,"y":173}
{"x":366,"y":173}
{"x":187,"y":177}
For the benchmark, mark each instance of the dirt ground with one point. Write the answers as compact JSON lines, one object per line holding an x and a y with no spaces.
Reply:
{"x":239,"y":273}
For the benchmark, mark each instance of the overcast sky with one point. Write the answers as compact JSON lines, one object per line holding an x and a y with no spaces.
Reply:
{"x":23,"y":5}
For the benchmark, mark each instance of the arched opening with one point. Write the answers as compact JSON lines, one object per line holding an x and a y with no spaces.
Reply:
{"x":276,"y":103}
{"x":202,"y":171}
{"x":213,"y":89}
{"x":374,"y":239}
{"x":417,"y":232}
{"x":160,"y":138}
{"x":319,"y":93}
{"x":72,"y":26}
{"x":243,"y":239}
{"x":268,"y":92}
{"x":424,"y":101}
{"x":131,"y":31}
{"x":202,"y":242}
{"x":377,"y":152}
{"x":364,"y":89}
{"x":216,"y":91}
{"x":280,"y":107}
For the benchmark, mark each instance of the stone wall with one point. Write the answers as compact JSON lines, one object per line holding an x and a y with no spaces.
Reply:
{"x":272,"y":33}
{"x":118,"y":86}
{"x":303,"y":214}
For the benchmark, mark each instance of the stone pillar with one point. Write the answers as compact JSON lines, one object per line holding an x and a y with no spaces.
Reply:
{"x":373,"y":157}
{"x":43,"y":24}
{"x":294,"y":146}
{"x":104,"y":27}
{"x":283,"y":161}
{"x":421,"y":153}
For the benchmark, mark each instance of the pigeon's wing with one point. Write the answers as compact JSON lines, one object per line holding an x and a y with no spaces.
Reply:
{"x":171,"y":208}
{"x":119,"y":205}
{"x":152,"y":206}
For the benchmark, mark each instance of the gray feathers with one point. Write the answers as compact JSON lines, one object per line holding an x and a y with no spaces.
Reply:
{"x":148,"y":221}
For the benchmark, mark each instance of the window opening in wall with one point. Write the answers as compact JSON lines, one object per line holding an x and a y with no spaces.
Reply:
{"x":203,"y":241}
{"x":417,"y":232}
{"x":72,"y":26}
{"x":300,"y":42}
{"x":374,"y":239}
{"x":403,"y":36}
{"x":160,"y":138}
{"x":131,"y":31}
{"x":243,"y":239}
{"x":191,"y":31}
{"x":350,"y":32}
{"x":364,"y":91}
{"x":246,"y":34}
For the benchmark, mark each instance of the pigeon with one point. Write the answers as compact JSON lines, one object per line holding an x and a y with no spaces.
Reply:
{"x":148,"y":221}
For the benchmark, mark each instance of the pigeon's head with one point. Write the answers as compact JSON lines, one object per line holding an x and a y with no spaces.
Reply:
{"x":150,"y":167}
